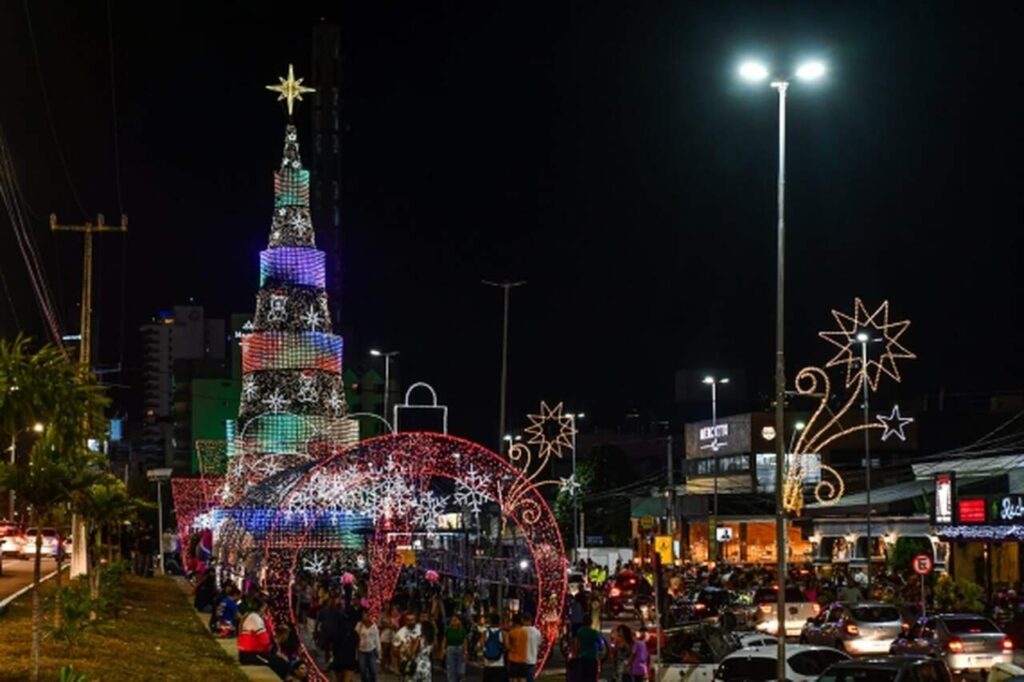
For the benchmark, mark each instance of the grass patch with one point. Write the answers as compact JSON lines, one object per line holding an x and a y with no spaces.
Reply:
{"x":157,"y":637}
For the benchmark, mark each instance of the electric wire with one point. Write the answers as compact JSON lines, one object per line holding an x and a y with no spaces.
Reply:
{"x":49,"y":113}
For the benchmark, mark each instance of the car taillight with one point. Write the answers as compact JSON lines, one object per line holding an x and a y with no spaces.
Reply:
{"x":955,"y":646}
{"x":816,"y":608}
{"x":1007,"y":644}
{"x":852,"y":629}
{"x":699,"y":607}
{"x":614,"y":592}
{"x":765,"y":608}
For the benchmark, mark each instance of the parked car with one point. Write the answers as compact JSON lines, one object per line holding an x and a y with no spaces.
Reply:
{"x":748,"y":639}
{"x":709,"y":603}
{"x":888,"y":669}
{"x":798,"y":610}
{"x":627,"y":592}
{"x":51,"y":541}
{"x":856,"y":628}
{"x":804,"y":663}
{"x":693,"y":652}
{"x":966,"y":641}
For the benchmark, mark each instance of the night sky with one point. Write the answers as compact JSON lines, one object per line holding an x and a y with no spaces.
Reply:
{"x":605,"y":153}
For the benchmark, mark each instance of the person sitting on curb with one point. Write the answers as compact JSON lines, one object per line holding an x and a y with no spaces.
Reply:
{"x":254,"y":642}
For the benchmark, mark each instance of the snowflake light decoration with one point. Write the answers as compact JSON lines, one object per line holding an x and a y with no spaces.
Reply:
{"x":313,"y":318}
{"x":550,"y":430}
{"x":569,"y":485}
{"x":429,"y":508}
{"x":335,"y":402}
{"x":249,"y":388}
{"x":276,"y":402}
{"x":315,"y":564}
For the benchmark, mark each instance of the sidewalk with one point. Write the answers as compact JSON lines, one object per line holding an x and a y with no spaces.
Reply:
{"x":258,"y":673}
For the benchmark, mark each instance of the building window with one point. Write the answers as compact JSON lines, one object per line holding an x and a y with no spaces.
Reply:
{"x":334,"y":95}
{"x":334,"y":189}
{"x":317,"y":142}
{"x":334,"y":143}
{"x":337,"y":216}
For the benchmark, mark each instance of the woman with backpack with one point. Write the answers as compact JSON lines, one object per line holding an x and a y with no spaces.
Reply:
{"x":492,"y":650}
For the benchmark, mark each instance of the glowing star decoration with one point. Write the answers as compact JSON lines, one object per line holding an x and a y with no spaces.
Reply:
{"x":315,"y":564}
{"x":276,"y":402}
{"x":878,"y":327}
{"x":569,"y":485}
{"x":894,"y":424}
{"x":291,"y":89}
{"x":550,"y":430}
{"x":313,"y":318}
{"x":829,"y":423}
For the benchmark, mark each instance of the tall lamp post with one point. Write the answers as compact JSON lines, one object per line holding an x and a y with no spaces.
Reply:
{"x":863,"y":338}
{"x":576,"y":539}
{"x":757,"y":72}
{"x":387,"y":355}
{"x":713,"y":382}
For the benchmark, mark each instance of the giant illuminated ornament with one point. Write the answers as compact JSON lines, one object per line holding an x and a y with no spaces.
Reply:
{"x":291,"y":490}
{"x":827,"y":424}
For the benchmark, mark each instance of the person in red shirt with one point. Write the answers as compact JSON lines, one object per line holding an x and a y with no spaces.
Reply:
{"x":254,"y":642}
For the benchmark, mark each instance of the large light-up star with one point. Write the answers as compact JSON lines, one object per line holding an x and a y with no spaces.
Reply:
{"x":894,"y":424}
{"x":290,"y":89}
{"x":551,"y":430}
{"x":878,"y":327}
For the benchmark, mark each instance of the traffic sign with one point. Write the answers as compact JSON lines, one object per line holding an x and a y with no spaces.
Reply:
{"x":922,"y":564}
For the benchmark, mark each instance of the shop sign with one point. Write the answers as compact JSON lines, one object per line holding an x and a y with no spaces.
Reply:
{"x":713,"y":437}
{"x":1008,"y":509}
{"x":647,"y":522}
{"x":944,"y":498}
{"x":971,"y":510}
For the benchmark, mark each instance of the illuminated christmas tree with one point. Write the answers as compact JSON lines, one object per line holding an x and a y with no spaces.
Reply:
{"x":292,"y":385}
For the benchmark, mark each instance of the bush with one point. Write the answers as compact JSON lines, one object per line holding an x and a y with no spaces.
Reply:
{"x":75,"y":606}
{"x":961,"y":595}
{"x":112,"y":587}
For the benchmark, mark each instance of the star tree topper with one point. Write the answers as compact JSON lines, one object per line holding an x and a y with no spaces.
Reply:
{"x":290,"y":89}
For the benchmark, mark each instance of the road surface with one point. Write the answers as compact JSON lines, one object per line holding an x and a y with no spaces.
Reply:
{"x":18,"y":573}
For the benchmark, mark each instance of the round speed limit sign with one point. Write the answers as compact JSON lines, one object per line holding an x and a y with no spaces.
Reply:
{"x":922,"y":564}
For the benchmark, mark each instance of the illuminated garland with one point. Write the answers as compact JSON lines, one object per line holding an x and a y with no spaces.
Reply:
{"x":826,"y":425}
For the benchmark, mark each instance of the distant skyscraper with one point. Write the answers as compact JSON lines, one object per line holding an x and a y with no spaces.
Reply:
{"x":327,"y":127}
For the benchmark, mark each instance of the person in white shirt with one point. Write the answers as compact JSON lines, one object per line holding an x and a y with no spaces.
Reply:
{"x":369,"y":647}
{"x":533,"y":640}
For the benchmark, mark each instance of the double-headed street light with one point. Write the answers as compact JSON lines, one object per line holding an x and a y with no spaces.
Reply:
{"x":713,"y":382}
{"x":387,"y":355}
{"x":864,"y":338}
{"x":755,"y":71}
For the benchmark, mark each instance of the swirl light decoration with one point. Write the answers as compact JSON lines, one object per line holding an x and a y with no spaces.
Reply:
{"x":826,"y":425}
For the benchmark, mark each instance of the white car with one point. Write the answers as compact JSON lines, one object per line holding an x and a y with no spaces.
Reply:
{"x":749,"y":639}
{"x":804,"y":663}
{"x":10,"y":544}
{"x":51,"y":540}
{"x":798,"y":610}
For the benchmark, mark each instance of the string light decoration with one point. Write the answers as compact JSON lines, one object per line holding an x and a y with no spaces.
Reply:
{"x":826,"y":425}
{"x":212,"y":457}
{"x":551,"y":430}
{"x":894,"y":424}
{"x":298,"y":266}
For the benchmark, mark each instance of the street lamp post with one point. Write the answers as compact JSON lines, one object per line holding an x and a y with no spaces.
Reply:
{"x":577,"y":541}
{"x":713,"y":383}
{"x":160,"y":476}
{"x":387,"y":355}
{"x":754,"y":71}
{"x":863,"y":338}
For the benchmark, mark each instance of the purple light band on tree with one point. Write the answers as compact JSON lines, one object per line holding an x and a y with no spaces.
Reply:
{"x":293,"y":265}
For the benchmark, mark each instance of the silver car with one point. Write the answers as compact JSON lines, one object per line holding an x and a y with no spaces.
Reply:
{"x":968,"y":642}
{"x":856,"y":628}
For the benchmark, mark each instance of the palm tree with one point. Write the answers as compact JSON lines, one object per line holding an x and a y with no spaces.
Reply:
{"x":102,"y":505}
{"x":46,"y":386}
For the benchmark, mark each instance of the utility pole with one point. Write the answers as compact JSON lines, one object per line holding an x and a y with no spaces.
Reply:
{"x":507,"y":286}
{"x":79,"y":564}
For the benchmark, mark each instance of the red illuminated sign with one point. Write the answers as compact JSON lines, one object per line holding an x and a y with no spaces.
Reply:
{"x":971,"y":511}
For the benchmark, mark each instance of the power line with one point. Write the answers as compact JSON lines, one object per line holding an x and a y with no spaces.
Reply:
{"x":49,"y":113}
